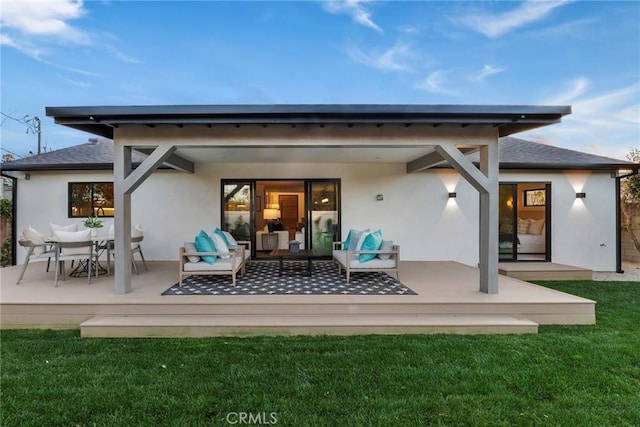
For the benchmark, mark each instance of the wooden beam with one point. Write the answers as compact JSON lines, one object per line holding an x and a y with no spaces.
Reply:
{"x":432,"y":159}
{"x":464,"y":167}
{"x":174,"y":161}
{"x":489,"y":202}
{"x":148,"y":166}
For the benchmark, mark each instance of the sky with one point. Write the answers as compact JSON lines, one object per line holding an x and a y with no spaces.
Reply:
{"x":73,"y":53}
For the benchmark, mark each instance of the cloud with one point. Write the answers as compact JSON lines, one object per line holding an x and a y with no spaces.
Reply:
{"x":499,"y":24}
{"x":437,"y":82}
{"x":487,"y":70}
{"x":44,"y":19}
{"x":602,"y":123}
{"x":355,"y":8}
{"x":578,"y":87}
{"x":397,"y":58}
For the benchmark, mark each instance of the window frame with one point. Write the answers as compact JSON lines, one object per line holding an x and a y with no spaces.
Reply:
{"x":93,"y":207}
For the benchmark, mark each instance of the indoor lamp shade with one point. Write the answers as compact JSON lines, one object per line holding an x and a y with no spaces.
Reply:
{"x":271,"y":213}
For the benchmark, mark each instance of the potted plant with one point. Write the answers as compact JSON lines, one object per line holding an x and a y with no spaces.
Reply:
{"x":93,"y":223}
{"x":294,"y":246}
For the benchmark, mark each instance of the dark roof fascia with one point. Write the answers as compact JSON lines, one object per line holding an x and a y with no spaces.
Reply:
{"x":101,"y":120}
{"x":68,"y":167}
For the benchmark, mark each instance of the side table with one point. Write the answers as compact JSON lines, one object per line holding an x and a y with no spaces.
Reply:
{"x":269,"y":241}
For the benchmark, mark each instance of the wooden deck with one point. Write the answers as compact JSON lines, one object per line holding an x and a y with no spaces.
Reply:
{"x":448,"y":301}
{"x":543,"y":271}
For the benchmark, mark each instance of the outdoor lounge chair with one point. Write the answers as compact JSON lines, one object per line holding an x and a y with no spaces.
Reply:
{"x":191,"y":262}
{"x":385,"y":260}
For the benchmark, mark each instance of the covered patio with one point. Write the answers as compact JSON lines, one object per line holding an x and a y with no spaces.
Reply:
{"x":447,"y":301}
{"x":418,"y":136}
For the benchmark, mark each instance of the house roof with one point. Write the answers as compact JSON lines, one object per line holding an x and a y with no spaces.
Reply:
{"x":514,"y":153}
{"x":97,"y":154}
{"x":508,"y":119}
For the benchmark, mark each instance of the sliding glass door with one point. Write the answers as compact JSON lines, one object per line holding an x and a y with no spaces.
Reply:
{"x":305,"y":210}
{"x":524,"y":221}
{"x":323,"y":215}
{"x":238,"y":208}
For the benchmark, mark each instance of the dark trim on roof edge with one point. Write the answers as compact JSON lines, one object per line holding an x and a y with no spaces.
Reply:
{"x":509,"y":119}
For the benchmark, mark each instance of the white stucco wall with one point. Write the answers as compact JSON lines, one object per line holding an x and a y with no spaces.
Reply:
{"x":416,"y":212}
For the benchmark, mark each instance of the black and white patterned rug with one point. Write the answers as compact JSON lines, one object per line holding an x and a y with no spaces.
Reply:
{"x":262,"y":278}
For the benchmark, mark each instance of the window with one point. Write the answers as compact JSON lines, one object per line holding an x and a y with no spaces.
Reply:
{"x":535,"y":197}
{"x":90,"y":199}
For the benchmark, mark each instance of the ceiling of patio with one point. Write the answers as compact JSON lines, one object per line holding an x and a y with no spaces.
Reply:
{"x":303,"y":154}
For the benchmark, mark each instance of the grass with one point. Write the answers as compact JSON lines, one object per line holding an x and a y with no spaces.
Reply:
{"x":565,"y":375}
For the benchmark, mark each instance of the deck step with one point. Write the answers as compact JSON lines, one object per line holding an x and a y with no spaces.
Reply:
{"x":253,"y":325}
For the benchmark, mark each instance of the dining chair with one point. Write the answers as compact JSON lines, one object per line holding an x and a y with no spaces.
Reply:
{"x":36,"y":251}
{"x":137,"y":235}
{"x":73,"y":245}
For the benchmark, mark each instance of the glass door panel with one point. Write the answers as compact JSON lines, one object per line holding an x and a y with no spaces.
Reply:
{"x":238,"y":209}
{"x":323,"y":215}
{"x":507,"y":240}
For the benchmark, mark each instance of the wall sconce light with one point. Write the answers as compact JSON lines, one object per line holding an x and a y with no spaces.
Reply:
{"x":379,"y":197}
{"x":27,"y":176}
{"x":453,"y":195}
{"x":581,"y":195}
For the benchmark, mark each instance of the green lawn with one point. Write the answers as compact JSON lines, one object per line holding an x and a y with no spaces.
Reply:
{"x":565,"y":375}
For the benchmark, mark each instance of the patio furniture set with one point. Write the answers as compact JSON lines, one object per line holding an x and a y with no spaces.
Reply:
{"x":219,"y":253}
{"x":67,"y":243}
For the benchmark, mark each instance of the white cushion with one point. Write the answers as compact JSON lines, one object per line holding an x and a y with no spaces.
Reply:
{"x":230,"y":240}
{"x":56,"y":227}
{"x":375,"y":263}
{"x":74,"y":236}
{"x":221,"y":245}
{"x":219,"y":265}
{"x":191,"y":247}
{"x":387,"y":245}
{"x":35,"y":237}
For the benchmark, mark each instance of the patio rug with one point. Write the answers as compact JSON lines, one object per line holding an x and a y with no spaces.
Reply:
{"x":261,"y":278}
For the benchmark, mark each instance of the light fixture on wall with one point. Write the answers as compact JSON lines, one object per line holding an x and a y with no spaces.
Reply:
{"x":581,"y":195}
{"x":453,"y":194}
{"x":379,"y":197}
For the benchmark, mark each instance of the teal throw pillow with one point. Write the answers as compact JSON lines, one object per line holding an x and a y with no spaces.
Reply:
{"x":204,"y":243}
{"x":371,"y":242}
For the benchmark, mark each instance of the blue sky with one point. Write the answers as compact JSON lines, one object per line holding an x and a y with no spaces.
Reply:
{"x":580,"y":53}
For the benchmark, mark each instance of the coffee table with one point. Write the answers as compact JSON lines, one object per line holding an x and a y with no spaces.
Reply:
{"x":286,"y":254}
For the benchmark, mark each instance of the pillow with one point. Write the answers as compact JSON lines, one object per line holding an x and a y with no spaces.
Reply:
{"x":523,"y":226}
{"x":370,"y":242}
{"x":351,"y":243}
{"x":73,"y":236}
{"x":204,"y":243}
{"x":221,"y":234}
{"x":191,"y":247}
{"x":36,"y":238}
{"x":220,"y":245}
{"x":387,"y":245}
{"x":56,"y":227}
{"x":535,"y":226}
{"x":231,"y":242}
